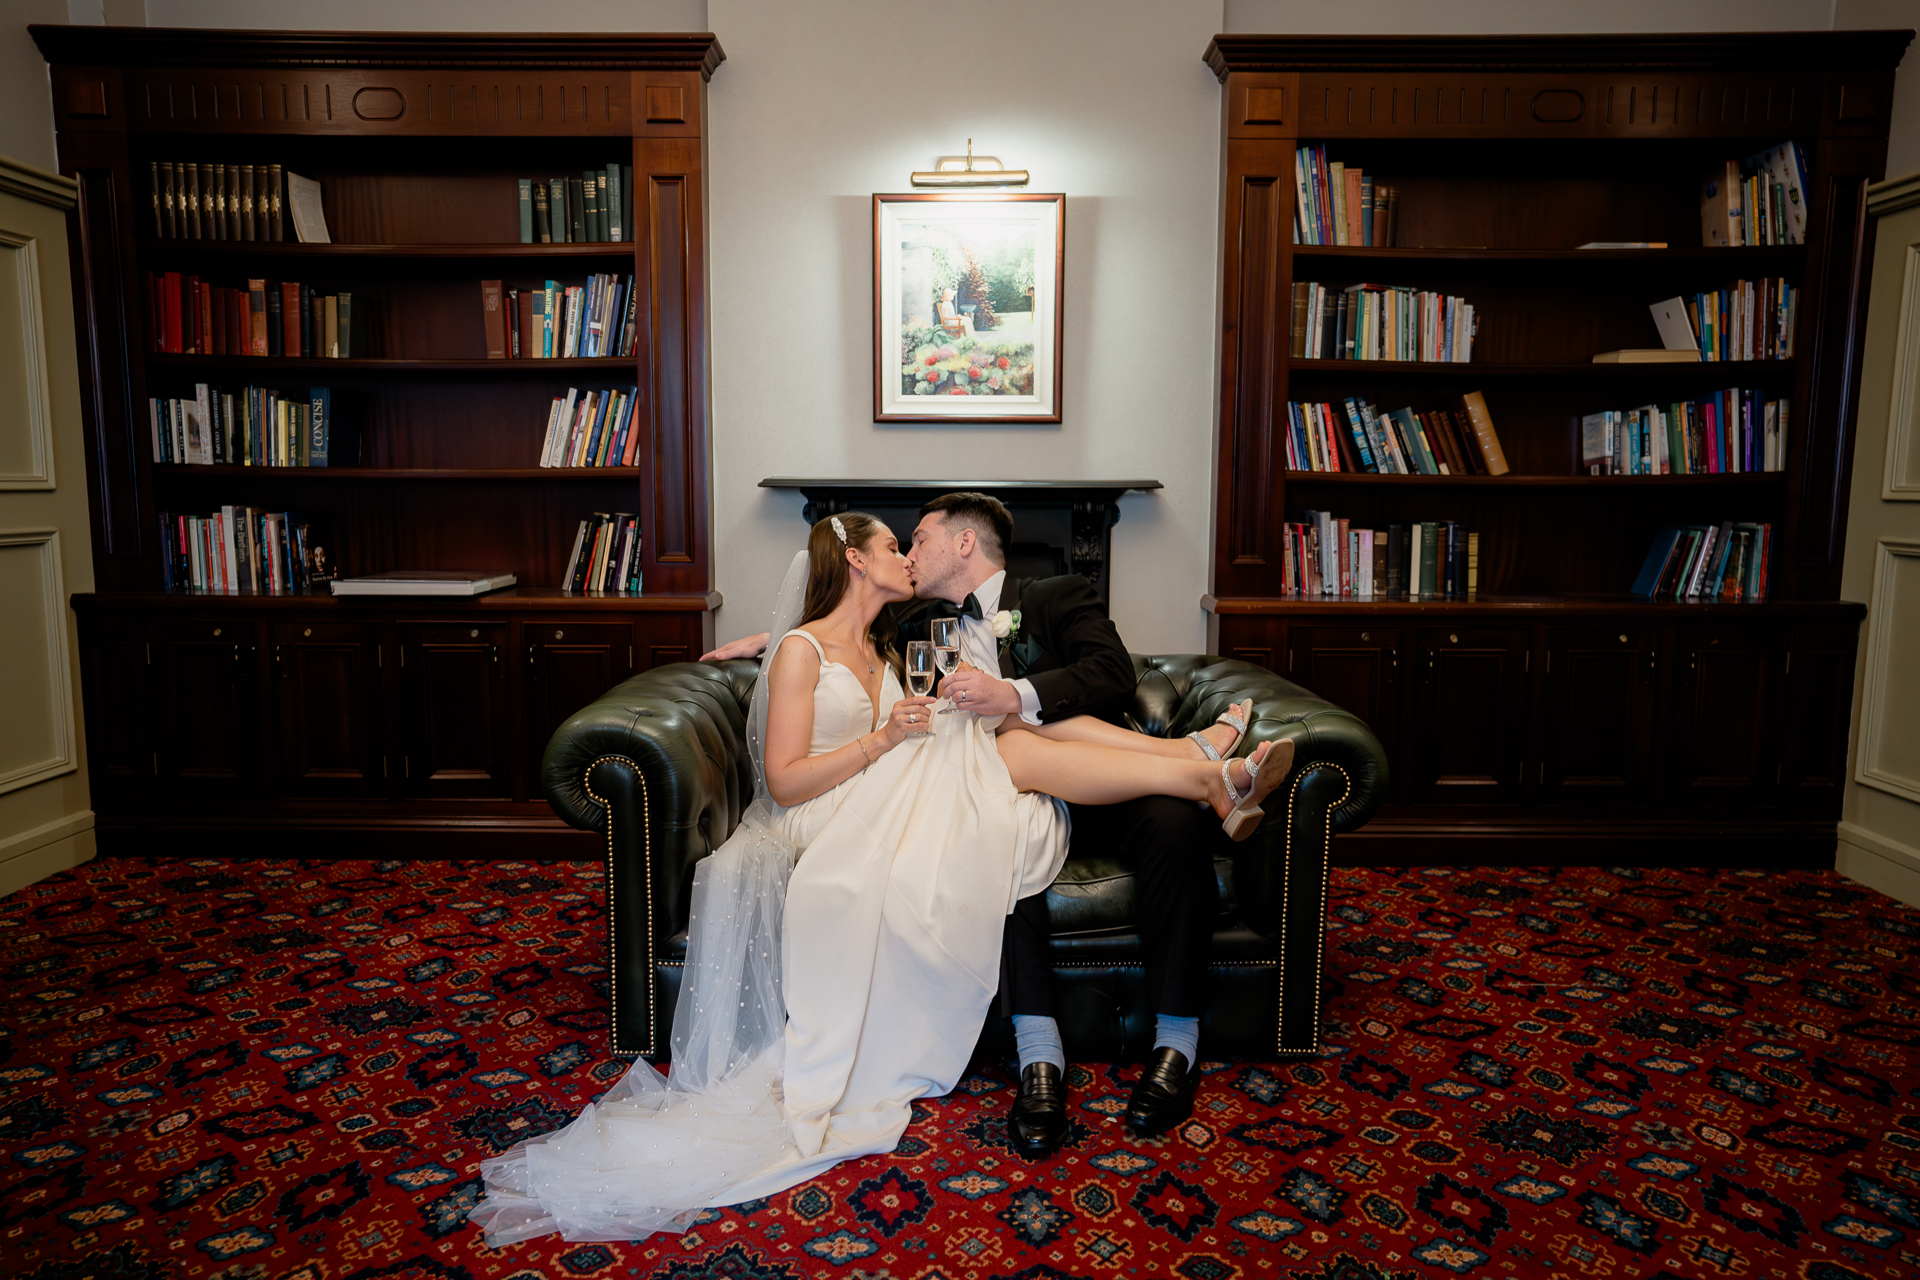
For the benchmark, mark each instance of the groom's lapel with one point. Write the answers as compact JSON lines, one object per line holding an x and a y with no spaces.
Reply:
{"x":1009,"y":599}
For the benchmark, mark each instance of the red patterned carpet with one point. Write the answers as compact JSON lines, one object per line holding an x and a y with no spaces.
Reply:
{"x":288,"y":1071}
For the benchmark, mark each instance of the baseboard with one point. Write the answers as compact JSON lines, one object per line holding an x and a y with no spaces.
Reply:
{"x":1879,"y":863}
{"x":1799,"y":844}
{"x":32,"y":856}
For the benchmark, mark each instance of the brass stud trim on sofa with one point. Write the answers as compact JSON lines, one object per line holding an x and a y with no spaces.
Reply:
{"x":1286,"y":893}
{"x":646,"y":847}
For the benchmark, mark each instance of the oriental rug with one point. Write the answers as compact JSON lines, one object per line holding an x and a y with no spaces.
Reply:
{"x":270,"y":1070}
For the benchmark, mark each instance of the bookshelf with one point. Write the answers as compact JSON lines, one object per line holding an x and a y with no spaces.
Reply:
{"x":415,"y":727}
{"x":1552,"y":717}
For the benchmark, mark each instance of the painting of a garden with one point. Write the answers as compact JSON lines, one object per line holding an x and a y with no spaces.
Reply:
{"x":966,"y":308}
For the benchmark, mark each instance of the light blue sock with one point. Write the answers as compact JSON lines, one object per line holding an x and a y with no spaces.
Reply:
{"x":1183,"y":1034}
{"x":1038,"y":1037}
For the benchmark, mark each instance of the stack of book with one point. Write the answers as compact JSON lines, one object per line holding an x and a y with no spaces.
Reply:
{"x":1725,"y":433}
{"x":1326,"y":556}
{"x":190,"y":316}
{"x":1747,"y":320}
{"x":606,"y":555}
{"x":1380,"y":322}
{"x":592,"y":207}
{"x":216,"y":201}
{"x":591,"y":430}
{"x":1726,"y":562}
{"x":1760,"y":202}
{"x":1339,"y":204}
{"x":253,"y":427}
{"x":555,"y":321}
{"x":1357,"y":436}
{"x":243,"y":549}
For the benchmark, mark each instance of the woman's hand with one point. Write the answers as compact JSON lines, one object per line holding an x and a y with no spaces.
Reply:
{"x":909,"y":717}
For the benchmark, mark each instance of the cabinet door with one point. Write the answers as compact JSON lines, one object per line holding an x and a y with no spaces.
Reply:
{"x":1356,"y":669}
{"x":1819,"y":704}
{"x":114,"y":677}
{"x":206,"y":719}
{"x":326,"y":682}
{"x":1598,"y":739}
{"x":1470,"y":715}
{"x":1723,"y":691}
{"x":455,"y":714}
{"x":568,"y":665}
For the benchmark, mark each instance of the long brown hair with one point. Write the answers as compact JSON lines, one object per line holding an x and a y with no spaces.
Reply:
{"x":828,"y":578}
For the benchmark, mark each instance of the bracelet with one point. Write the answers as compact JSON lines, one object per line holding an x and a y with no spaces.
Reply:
{"x":861,"y":742}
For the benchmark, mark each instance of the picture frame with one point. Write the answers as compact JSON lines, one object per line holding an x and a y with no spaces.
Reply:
{"x":967,"y":306}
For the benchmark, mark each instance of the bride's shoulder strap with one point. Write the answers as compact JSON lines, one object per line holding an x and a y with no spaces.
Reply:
{"x":810,"y":639}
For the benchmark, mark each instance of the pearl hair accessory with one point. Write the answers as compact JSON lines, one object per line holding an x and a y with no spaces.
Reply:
{"x":839,"y":530}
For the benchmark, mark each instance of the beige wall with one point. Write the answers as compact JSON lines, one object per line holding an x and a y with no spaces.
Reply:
{"x":1880,"y":828}
{"x":45,"y":552}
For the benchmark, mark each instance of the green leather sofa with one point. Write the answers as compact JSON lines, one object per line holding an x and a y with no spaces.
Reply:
{"x":659,"y":764}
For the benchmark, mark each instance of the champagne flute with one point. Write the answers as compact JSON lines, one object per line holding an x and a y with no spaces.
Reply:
{"x":945,"y":637}
{"x":920,"y":671}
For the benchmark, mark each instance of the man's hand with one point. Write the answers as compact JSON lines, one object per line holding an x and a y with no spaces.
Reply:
{"x":744,"y":647}
{"x":974,"y":690}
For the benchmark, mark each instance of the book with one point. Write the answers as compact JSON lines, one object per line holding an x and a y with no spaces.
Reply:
{"x":589,"y":206}
{"x":1676,"y":330}
{"x":276,"y":213}
{"x":291,"y":342}
{"x":191,"y":199}
{"x":1647,"y":355}
{"x":526,"y":210}
{"x":320,"y":400}
{"x":424,"y":582}
{"x":1720,"y":206}
{"x":235,"y":204}
{"x":542,"y":225}
{"x":309,"y":211}
{"x":557,"y":209}
{"x":1484,"y":435}
{"x":617,"y":205}
{"x":1623,"y":244}
{"x":576,"y":212}
{"x":493,"y":319}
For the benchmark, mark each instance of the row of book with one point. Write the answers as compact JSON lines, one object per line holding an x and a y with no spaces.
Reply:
{"x":1761,"y":201}
{"x":1356,"y":436}
{"x":1747,"y":320}
{"x":251,"y":427}
{"x":191,"y":316}
{"x":1728,"y":562}
{"x":244,"y":549}
{"x":596,"y":206}
{"x":216,"y":201}
{"x":1338,"y":204}
{"x":1380,"y":322}
{"x":591,"y":430}
{"x":598,"y":318}
{"x":1325,"y":555}
{"x":606,"y":555}
{"x":1724,"y":433}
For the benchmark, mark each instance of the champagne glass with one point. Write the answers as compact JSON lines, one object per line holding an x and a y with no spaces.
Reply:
{"x":920,"y":671}
{"x":945,"y":636}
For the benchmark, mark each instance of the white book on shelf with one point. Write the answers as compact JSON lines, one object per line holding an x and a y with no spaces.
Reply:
{"x":230,"y":567}
{"x":561,"y":435}
{"x":546,"y":441}
{"x":425,"y":582}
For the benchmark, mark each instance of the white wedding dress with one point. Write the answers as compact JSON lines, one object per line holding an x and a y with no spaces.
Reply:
{"x":820,"y":996}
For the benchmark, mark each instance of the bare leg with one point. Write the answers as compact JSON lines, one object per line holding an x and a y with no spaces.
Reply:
{"x":1088,"y":773}
{"x":1096,"y":732}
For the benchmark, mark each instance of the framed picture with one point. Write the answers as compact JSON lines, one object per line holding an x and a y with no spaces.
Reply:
{"x":966,"y":307}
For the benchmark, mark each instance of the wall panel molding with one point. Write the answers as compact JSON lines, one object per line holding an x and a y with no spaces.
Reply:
{"x":1901,"y":480}
{"x":26,"y":462}
{"x":1891,"y":642}
{"x":41,"y":548}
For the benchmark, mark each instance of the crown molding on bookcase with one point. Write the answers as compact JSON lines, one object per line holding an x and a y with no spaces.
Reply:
{"x":18,"y":178}
{"x":1746,"y":51}
{"x":189,"y":46}
{"x":1893,"y":195}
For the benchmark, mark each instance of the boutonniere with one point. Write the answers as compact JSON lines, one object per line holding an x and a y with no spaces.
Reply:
{"x":1006,"y":625}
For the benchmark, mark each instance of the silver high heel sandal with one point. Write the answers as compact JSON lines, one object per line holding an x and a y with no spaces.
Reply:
{"x":1244,"y":818}
{"x":1231,"y":716}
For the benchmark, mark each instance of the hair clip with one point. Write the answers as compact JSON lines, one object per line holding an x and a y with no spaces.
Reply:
{"x":839,"y":530}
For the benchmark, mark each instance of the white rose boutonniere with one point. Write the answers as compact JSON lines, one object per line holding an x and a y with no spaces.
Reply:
{"x":1006,"y":624}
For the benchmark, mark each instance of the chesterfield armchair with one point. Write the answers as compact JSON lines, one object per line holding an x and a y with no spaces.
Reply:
{"x":659,"y":765}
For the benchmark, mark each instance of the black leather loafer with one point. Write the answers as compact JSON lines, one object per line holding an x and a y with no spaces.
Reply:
{"x":1164,"y":1095}
{"x":1037,"y":1124}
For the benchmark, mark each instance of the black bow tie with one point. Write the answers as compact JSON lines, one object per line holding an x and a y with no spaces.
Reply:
{"x":948,"y":609}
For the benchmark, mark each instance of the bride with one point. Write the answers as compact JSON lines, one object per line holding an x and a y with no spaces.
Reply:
{"x":822,"y":993}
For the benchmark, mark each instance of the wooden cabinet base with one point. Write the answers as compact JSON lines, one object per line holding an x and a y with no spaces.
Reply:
{"x":1535,"y":838}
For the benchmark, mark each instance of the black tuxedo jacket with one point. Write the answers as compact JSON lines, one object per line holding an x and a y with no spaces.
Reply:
{"x":1066,"y":646}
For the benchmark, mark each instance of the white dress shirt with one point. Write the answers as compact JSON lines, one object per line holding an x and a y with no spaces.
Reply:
{"x":979,"y":647}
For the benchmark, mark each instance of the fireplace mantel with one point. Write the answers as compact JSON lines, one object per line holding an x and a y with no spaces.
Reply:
{"x":1059,"y":525}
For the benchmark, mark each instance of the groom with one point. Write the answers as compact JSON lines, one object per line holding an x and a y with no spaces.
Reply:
{"x":1066,"y":659}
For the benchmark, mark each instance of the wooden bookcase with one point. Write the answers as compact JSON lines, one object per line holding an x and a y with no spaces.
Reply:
{"x":1553,"y":718}
{"x":415,"y":725}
